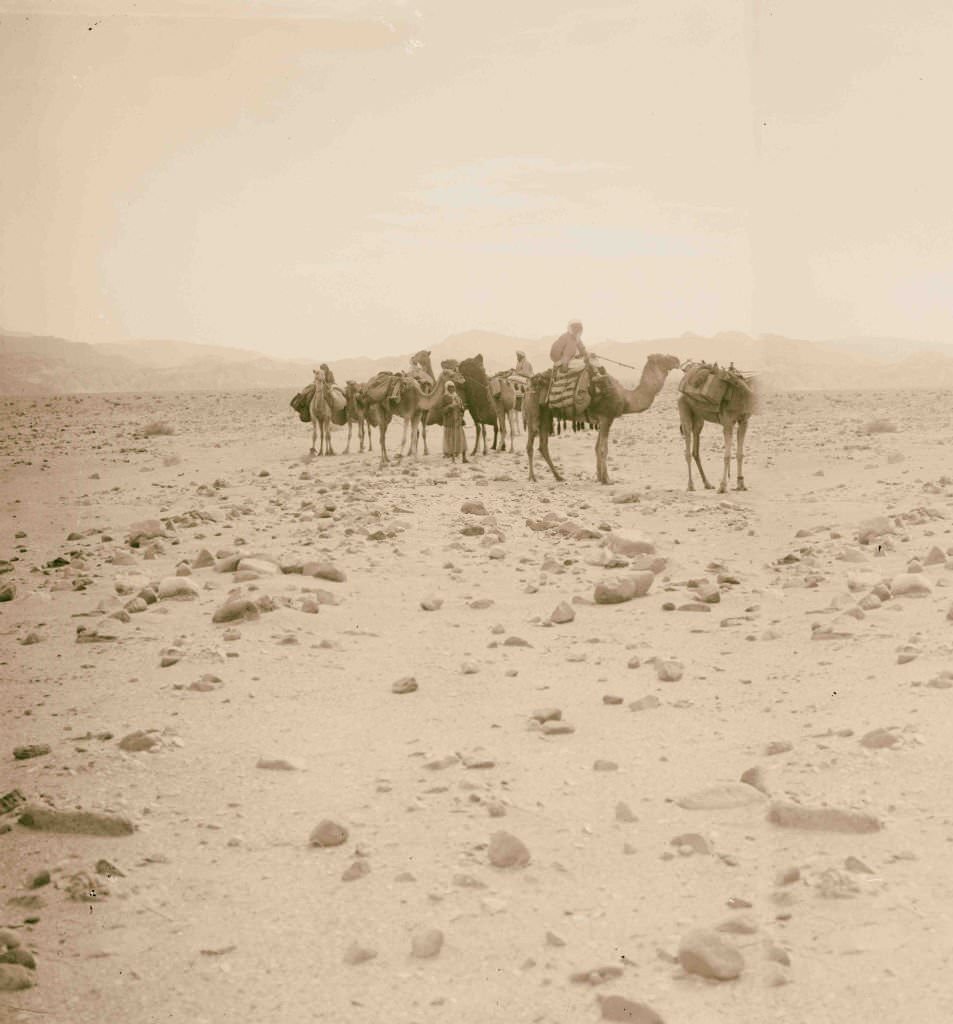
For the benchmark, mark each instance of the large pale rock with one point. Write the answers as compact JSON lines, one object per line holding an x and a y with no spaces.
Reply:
{"x":236,"y":610}
{"x":145,"y":529}
{"x":14,"y":977}
{"x":911,"y":584}
{"x":328,"y":833}
{"x":427,"y":943}
{"x":630,"y":542}
{"x":627,"y":588}
{"x":324,"y":571}
{"x":178,"y":588}
{"x":706,"y":953}
{"x":822,"y":819}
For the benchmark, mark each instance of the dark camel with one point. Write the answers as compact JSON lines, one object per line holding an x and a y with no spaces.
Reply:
{"x":616,"y":401}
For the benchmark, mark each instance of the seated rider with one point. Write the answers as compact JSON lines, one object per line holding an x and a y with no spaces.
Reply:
{"x":523,"y":366}
{"x":568,"y":346}
{"x":328,"y":375}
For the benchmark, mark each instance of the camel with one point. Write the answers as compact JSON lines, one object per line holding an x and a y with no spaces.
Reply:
{"x":412,"y":406}
{"x":357,"y":413}
{"x":604,"y":408}
{"x":505,"y":405}
{"x":322,"y":413}
{"x":737,"y":405}
{"x":479,"y":402}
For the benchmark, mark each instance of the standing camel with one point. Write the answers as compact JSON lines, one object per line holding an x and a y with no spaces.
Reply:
{"x":739,"y":402}
{"x":412,"y":405}
{"x":612,"y":401}
{"x":357,"y":413}
{"x":479,"y":401}
{"x":322,"y":412}
{"x":505,"y":405}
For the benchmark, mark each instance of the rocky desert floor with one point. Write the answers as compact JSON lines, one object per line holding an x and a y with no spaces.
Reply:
{"x":726,"y":795}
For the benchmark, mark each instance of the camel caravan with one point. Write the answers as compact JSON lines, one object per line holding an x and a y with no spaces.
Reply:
{"x":576,"y":389}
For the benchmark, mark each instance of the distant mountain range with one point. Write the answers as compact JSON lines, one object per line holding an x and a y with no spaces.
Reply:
{"x":34,"y":365}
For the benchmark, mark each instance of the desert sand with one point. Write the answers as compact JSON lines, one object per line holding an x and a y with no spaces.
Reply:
{"x":798,"y":634}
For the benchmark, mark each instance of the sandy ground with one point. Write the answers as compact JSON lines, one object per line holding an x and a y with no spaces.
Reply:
{"x":224,"y":912}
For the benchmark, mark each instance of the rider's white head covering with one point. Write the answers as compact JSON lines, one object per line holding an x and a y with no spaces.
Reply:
{"x":575,"y":323}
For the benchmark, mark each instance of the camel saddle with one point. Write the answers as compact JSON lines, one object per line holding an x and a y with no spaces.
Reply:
{"x":564,"y":388}
{"x":710,"y":383}
{"x":301,"y":403}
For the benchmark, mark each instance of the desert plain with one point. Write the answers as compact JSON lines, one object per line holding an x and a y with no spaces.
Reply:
{"x":725,"y":799}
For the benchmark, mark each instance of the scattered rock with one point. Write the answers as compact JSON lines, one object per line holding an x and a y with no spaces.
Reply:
{"x":358,"y":954}
{"x":719,"y":797}
{"x":276,"y":764}
{"x":705,"y":953}
{"x":618,"y":1008}
{"x":324,"y":571}
{"x":14,"y":977}
{"x":562,"y":613}
{"x":911,"y":584}
{"x":140,"y":740}
{"x":406,"y":685}
{"x":237,"y":609}
{"x":431,"y":604}
{"x":89,"y":823}
{"x":8,"y":591}
{"x":178,"y":588}
{"x":625,"y":589}
{"x":669,"y":670}
{"x":506,"y":851}
{"x":645,"y":703}
{"x":328,"y":833}
{"x":427,"y":943}
{"x":34,"y":750}
{"x":822,"y":819}
{"x":878,"y":739}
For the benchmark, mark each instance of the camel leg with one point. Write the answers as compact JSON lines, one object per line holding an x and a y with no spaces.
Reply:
{"x":728,"y":429}
{"x":314,"y":434}
{"x":383,"y":424}
{"x":544,"y":430}
{"x":476,"y":438}
{"x":483,"y":430}
{"x":530,"y":443}
{"x":327,"y":427}
{"x":696,"y":451}
{"x":602,"y":450}
{"x":501,"y":420}
{"x":687,"y":438}
{"x":742,"y":430}
{"x":350,"y":427}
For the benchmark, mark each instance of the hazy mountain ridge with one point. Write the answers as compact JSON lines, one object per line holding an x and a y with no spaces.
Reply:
{"x":37,"y":365}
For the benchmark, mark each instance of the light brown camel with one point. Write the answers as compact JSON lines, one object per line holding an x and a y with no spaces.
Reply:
{"x":604,"y":408}
{"x":505,"y":406}
{"x":411,"y":407}
{"x":737,"y":405}
{"x":322,"y":413}
{"x":357,"y":413}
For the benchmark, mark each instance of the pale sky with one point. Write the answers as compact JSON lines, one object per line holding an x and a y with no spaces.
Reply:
{"x":310,"y":177}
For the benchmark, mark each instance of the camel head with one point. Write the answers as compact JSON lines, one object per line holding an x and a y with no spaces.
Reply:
{"x":663,"y":362}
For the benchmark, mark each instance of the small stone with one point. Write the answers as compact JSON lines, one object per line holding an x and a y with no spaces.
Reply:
{"x":554,"y":940}
{"x":695,"y":842}
{"x":559,"y":728}
{"x":276,"y":764}
{"x":605,"y":766}
{"x":788,"y":876}
{"x":431,"y":604}
{"x":630,"y":542}
{"x":775,"y":976}
{"x":618,"y":1008}
{"x":634,"y":662}
{"x":91,"y":823}
{"x":669,"y":671}
{"x":726,"y":795}
{"x":427,"y":943}
{"x":405,"y":685}
{"x":506,"y":851}
{"x":755,"y":777}
{"x":776,"y":954}
{"x":474,"y":508}
{"x":609,"y":698}
{"x":328,"y":833}
{"x":562,"y":613}
{"x":705,"y":953}
{"x":778,"y":747}
{"x":358,"y":869}
{"x":31,"y":751}
{"x":8,"y":591}
{"x":547,"y":715}
{"x":623,"y":813}
{"x":625,"y":589}
{"x":878,"y":739}
{"x":822,"y":819}
{"x":324,"y":571}
{"x":516,"y":641}
{"x":645,"y":703}
{"x":14,"y":977}
{"x":236,"y":610}
{"x":857,"y":866}
{"x":140,"y":740}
